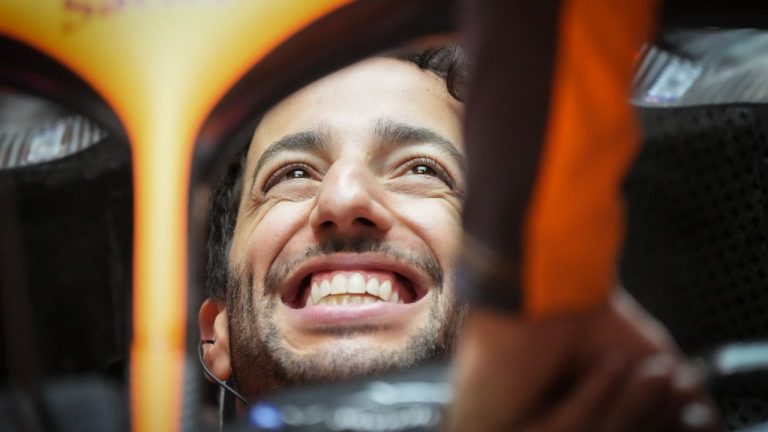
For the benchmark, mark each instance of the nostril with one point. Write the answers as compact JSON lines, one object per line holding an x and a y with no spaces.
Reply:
{"x":365,"y":222}
{"x":326,"y":225}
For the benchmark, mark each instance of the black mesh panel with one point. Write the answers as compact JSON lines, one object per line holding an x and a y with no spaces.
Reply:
{"x":696,"y":253}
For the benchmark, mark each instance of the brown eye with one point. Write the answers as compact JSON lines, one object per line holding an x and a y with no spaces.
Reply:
{"x":423,"y":170}
{"x":287,"y":174}
{"x":424,"y":166}
{"x":297,"y":173}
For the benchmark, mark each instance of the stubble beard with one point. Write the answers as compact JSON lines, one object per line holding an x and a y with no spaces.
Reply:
{"x":262,"y":361}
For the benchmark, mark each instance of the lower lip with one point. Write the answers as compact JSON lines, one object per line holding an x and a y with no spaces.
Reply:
{"x":374,"y":314}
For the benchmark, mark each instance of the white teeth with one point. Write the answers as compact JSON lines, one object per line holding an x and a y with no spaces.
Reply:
{"x":356,"y":284}
{"x":328,"y":292}
{"x":325,"y":288}
{"x":372,"y":287}
{"x":394,"y":298}
{"x":339,"y":284}
{"x":315,"y":294}
{"x":385,"y":290}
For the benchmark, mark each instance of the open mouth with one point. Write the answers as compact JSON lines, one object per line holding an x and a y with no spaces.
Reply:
{"x":348,"y":288}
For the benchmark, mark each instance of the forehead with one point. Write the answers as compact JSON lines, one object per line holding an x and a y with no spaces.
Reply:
{"x":350,"y":102}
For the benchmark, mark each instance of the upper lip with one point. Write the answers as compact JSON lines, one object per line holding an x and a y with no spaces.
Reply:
{"x":418,"y":280}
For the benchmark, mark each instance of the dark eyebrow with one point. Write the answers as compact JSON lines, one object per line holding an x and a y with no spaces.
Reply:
{"x":389,"y":132}
{"x":306,"y":141}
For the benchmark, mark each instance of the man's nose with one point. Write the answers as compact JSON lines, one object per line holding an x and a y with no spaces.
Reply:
{"x":351,"y":200}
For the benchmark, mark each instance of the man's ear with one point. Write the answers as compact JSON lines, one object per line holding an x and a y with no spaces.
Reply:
{"x":212,"y":320}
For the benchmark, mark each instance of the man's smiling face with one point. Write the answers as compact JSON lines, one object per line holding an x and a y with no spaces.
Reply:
{"x":347,"y":228}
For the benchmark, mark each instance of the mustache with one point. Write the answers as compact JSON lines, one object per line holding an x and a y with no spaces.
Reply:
{"x":426,"y":263}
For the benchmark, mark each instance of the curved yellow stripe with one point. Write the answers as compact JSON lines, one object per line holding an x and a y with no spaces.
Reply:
{"x":161,"y":65}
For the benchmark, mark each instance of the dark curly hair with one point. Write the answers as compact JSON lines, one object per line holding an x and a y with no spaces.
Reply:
{"x":449,"y":62}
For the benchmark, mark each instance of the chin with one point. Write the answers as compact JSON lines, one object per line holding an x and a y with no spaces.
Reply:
{"x":345,"y":354}
{"x":380,"y":338}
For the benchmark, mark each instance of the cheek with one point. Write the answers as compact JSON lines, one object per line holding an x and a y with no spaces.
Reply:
{"x":437,"y":222}
{"x":273,"y":231}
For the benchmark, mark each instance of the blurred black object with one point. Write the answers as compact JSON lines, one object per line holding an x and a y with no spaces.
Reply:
{"x":66,"y":223}
{"x":65,"y":251}
{"x":417,"y":400}
{"x":412,"y":401}
{"x":696,"y":251}
{"x":89,"y":404}
{"x":68,"y":228}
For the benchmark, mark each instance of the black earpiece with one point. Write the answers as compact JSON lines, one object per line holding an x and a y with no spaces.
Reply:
{"x":210,"y":374}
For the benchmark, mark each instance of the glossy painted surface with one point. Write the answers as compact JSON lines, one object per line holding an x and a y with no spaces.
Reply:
{"x":161,"y":65}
